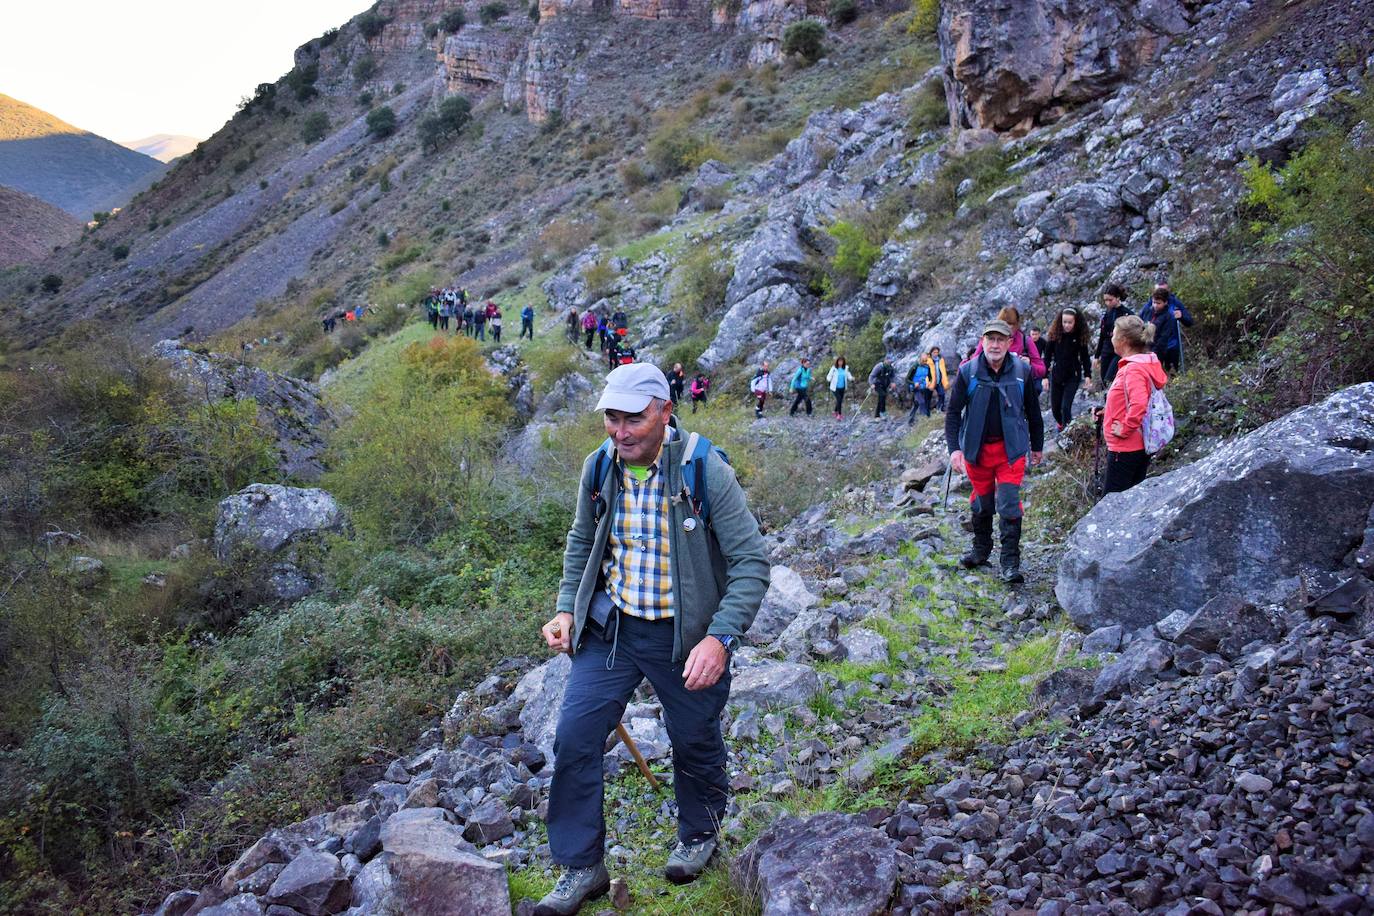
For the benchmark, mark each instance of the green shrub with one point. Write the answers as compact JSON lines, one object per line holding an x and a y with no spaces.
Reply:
{"x":370,"y":24}
{"x":453,"y":21}
{"x":364,"y":69}
{"x":119,"y":252}
{"x":490,"y":12}
{"x":1292,"y":281}
{"x":700,"y":280}
{"x":925,"y":17}
{"x":600,"y":278}
{"x":928,"y":110}
{"x":843,"y":12}
{"x":431,"y":30}
{"x":314,"y":127}
{"x":855,"y":254}
{"x":453,"y":115}
{"x":301,"y":81}
{"x":534,"y":11}
{"x":675,"y":148}
{"x":381,"y":122}
{"x":804,"y":39}
{"x":632,"y":175}
{"x":421,"y":446}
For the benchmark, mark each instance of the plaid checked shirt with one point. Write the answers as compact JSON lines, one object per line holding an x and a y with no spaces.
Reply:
{"x":638,"y":579}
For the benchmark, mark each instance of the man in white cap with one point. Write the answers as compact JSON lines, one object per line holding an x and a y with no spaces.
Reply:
{"x":663,"y":573}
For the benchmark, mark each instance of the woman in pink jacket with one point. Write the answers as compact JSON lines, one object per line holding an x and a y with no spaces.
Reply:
{"x":1021,"y":344}
{"x":1127,"y":400}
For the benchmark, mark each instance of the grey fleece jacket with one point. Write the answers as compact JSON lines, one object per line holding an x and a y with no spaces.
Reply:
{"x":719,"y":572}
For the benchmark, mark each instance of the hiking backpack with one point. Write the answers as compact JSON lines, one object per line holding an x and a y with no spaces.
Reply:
{"x":1157,"y":427}
{"x":694,"y":458}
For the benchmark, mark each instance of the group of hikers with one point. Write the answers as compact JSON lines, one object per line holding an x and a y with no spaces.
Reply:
{"x":610,"y":331}
{"x":451,"y":306}
{"x":331,"y":319}
{"x":642,"y":594}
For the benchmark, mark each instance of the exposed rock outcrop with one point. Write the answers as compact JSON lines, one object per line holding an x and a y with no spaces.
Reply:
{"x":1014,"y":65}
{"x":292,"y":409}
{"x":1245,"y":520}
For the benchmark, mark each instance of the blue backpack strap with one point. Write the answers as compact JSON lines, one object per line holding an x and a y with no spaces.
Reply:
{"x":968,"y":371}
{"x":694,"y":457}
{"x":601,"y":469}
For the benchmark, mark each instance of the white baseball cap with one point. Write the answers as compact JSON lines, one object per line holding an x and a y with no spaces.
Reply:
{"x":631,"y":387}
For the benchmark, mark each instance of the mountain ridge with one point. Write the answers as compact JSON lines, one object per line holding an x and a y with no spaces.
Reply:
{"x":74,"y":169}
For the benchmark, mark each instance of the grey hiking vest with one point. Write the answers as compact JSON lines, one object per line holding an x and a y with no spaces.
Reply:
{"x":1010,"y":391}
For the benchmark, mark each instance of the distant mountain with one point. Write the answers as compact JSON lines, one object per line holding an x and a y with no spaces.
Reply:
{"x":68,"y":167}
{"x":29,"y":228}
{"x":163,"y":147}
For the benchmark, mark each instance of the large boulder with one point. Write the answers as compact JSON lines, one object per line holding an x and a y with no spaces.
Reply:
{"x":430,"y":868}
{"x":829,"y":863}
{"x":1293,"y":495}
{"x":774,"y":684}
{"x":540,"y":698}
{"x":281,"y":525}
{"x":1012,"y":64}
{"x":787,"y":598}
{"x":1086,"y":214}
{"x":313,"y":884}
{"x":291,"y":408}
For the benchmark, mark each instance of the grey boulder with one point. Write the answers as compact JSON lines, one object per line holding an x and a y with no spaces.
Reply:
{"x":1243,"y":521}
{"x":281,"y":525}
{"x":312,"y":883}
{"x":430,"y":868}
{"x":829,"y":863}
{"x":787,"y":597}
{"x":774,"y":684}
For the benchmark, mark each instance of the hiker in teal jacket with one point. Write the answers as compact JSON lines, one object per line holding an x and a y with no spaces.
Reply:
{"x":663,"y":573}
{"x":801,"y":387}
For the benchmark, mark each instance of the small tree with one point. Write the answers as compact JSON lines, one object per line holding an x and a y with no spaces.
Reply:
{"x":843,"y":12}
{"x":51,"y":283}
{"x":314,"y":127}
{"x":371,"y":24}
{"x":452,"y":116}
{"x":453,"y":21}
{"x":381,"y":122}
{"x":490,"y":12}
{"x":120,"y":252}
{"x":804,"y":39}
{"x":364,"y":69}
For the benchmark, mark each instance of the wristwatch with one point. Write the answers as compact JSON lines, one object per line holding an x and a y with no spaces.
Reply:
{"x":728,"y":641}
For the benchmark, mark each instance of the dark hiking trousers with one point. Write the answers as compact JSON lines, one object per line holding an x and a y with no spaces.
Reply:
{"x":1062,"y":395}
{"x":592,"y":706}
{"x":803,"y":397}
{"x":1125,"y":470}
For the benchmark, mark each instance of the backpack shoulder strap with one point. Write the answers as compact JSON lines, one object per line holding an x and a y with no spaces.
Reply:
{"x":596,"y":484}
{"x":694,"y":457}
{"x":969,"y":371}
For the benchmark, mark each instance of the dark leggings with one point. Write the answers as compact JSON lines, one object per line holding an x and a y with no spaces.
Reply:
{"x":839,"y":400}
{"x":1061,"y":399}
{"x":803,"y":397}
{"x":1125,"y":470}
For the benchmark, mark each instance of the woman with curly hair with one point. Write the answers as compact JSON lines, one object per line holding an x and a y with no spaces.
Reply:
{"x":1068,"y":363}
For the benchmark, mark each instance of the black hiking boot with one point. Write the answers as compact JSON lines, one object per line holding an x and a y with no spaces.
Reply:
{"x":981,"y":526}
{"x":1010,"y":532}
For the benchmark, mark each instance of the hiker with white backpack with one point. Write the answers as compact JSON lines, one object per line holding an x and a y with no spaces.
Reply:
{"x":1137,"y":420}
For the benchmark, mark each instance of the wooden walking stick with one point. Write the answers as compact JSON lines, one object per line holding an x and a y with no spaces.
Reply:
{"x":624,"y":735}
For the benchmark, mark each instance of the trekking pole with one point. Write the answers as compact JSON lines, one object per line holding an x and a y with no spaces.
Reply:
{"x":624,"y":734}
{"x":949,"y":475}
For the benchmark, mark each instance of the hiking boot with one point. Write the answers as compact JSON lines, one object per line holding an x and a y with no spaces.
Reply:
{"x":1010,"y":533}
{"x":575,"y":887}
{"x":981,"y":526}
{"x":689,"y":860}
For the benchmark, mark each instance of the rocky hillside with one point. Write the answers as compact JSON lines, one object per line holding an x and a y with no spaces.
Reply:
{"x":1170,"y":718}
{"x":68,"y":167}
{"x":31,"y":228}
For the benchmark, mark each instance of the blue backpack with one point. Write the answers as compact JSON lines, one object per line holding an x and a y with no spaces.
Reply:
{"x":694,"y":458}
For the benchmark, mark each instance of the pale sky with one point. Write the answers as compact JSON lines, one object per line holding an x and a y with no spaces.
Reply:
{"x":129,"y":69}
